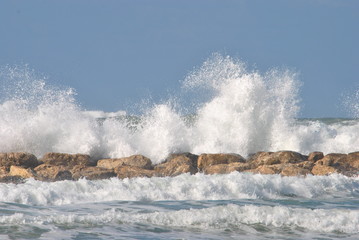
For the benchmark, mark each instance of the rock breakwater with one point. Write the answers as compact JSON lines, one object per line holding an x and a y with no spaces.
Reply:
{"x":15,"y":167}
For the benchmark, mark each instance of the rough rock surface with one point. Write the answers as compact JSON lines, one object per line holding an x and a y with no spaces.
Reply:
{"x":134,"y":161}
{"x":92,"y":173}
{"x":131,"y":172}
{"x":46,"y":172}
{"x":22,"y":172}
{"x":206,"y":160}
{"x":176,"y":165}
{"x":22,"y":159}
{"x":68,"y":160}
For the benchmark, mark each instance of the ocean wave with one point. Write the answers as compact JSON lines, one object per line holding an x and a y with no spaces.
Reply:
{"x":183,"y":187}
{"x":229,"y":216}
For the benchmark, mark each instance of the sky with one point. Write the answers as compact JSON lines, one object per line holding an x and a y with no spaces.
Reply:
{"x":116,"y":53}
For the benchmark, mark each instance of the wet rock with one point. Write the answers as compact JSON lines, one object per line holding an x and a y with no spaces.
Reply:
{"x":21,"y":172}
{"x":131,"y":172}
{"x":353,"y":160}
{"x":315,"y":156}
{"x":293,"y":170}
{"x":272,"y":158}
{"x":323,"y":170}
{"x":267,"y":169}
{"x":11,"y":179}
{"x":206,"y":160}
{"x":134,"y":161}
{"x":22,"y":159}
{"x":68,"y":160}
{"x":176,"y":165}
{"x":46,"y":172}
{"x":226,"y":168}
{"x":92,"y":173}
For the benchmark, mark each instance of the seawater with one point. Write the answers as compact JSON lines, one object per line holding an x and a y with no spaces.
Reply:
{"x":230,"y":206}
{"x":232,"y":110}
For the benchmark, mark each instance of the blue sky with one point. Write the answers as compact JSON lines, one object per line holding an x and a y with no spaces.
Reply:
{"x":116,"y":53}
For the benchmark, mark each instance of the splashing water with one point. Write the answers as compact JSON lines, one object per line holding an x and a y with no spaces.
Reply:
{"x":245,"y":112}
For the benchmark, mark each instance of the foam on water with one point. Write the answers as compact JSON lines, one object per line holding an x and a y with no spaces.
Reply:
{"x":220,"y":217}
{"x":244,"y":112}
{"x":184,"y":187}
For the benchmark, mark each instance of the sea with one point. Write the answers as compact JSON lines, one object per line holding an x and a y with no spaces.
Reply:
{"x":221,"y":107}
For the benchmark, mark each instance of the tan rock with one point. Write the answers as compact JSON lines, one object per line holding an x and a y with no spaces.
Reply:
{"x":18,"y":159}
{"x":315,"y":156}
{"x":323,"y":170}
{"x":132,"y":172}
{"x":176,"y":165}
{"x":226,"y":168}
{"x":21,"y":172}
{"x":134,"y":161}
{"x":353,"y":160}
{"x":206,"y":160}
{"x":293,"y":170}
{"x":92,"y":173}
{"x":68,"y":160}
{"x":272,"y":158}
{"x":46,"y":172}
{"x":267,"y":169}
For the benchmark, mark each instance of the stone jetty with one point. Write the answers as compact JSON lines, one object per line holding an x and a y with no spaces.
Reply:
{"x":15,"y":167}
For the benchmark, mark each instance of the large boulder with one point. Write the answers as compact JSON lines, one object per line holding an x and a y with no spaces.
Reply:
{"x":22,"y":159}
{"x":176,"y":165}
{"x":273,"y":158}
{"x":134,"y":161}
{"x":92,"y":173}
{"x":226,"y":168}
{"x":315,"y":156}
{"x":323,"y":170}
{"x":267,"y":169}
{"x":68,"y":160}
{"x":294,"y":170}
{"x":132,"y":172}
{"x":46,"y":172}
{"x":22,"y":172}
{"x":206,"y":160}
{"x":353,"y":160}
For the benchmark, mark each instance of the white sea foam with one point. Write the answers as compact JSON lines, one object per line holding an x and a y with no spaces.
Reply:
{"x":184,"y":187}
{"x":245,"y":112}
{"x":220,"y":217}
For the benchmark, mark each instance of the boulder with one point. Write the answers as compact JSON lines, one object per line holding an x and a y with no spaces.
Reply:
{"x":192,"y":157}
{"x":68,"y":160}
{"x":353,"y":160}
{"x":176,"y":165}
{"x":131,"y":172}
{"x":267,"y":169}
{"x":46,"y":172}
{"x":206,"y":160}
{"x":21,"y":172}
{"x":323,"y":170}
{"x":315,"y":156}
{"x":92,"y":173}
{"x":226,"y":168}
{"x":11,"y":179}
{"x":22,"y":159}
{"x":272,"y":158}
{"x":293,"y":170}
{"x":134,"y":161}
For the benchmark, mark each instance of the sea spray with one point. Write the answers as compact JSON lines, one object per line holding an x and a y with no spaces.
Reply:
{"x":244,"y":111}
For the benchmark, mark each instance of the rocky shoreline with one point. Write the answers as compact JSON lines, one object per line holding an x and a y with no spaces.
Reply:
{"x":15,"y":167}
